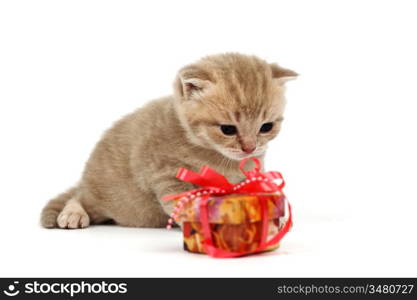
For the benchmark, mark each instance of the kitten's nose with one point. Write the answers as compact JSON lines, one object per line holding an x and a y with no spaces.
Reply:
{"x":248,"y":148}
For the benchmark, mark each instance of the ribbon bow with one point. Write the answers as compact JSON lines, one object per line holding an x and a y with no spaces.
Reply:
{"x":212,"y":182}
{"x":215,"y":183}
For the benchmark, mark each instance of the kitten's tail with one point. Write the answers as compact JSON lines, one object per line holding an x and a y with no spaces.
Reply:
{"x":52,"y":209}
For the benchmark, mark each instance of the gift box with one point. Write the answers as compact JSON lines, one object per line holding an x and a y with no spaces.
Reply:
{"x":226,"y":220}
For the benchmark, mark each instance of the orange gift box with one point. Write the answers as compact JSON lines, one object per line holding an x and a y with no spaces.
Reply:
{"x":225,"y":220}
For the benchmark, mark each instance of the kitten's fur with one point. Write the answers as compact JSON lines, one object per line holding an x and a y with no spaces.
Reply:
{"x":136,"y":161}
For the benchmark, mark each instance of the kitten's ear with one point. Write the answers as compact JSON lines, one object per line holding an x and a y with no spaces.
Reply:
{"x":191,"y":82}
{"x":282,"y":75}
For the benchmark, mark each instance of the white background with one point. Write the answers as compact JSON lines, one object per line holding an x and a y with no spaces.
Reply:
{"x":68,"y":69}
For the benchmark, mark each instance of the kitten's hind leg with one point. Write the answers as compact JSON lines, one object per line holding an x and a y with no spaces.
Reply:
{"x":73,"y":216}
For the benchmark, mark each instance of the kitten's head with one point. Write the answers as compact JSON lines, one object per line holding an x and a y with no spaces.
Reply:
{"x":232,"y":103}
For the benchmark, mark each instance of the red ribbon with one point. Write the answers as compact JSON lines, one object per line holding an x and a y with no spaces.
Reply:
{"x":215,"y":183}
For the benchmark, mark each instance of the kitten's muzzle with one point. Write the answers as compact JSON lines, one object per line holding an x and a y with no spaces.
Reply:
{"x":248,"y":149}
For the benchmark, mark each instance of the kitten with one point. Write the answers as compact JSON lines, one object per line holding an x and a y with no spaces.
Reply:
{"x":224,"y":108}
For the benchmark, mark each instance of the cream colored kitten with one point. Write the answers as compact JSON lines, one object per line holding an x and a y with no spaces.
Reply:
{"x":224,"y":108}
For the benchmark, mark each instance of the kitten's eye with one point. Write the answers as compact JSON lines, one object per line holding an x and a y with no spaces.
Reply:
{"x":266,"y":127}
{"x":228,"y":129}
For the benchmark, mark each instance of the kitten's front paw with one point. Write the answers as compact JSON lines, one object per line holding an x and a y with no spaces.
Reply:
{"x":73,"y":219}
